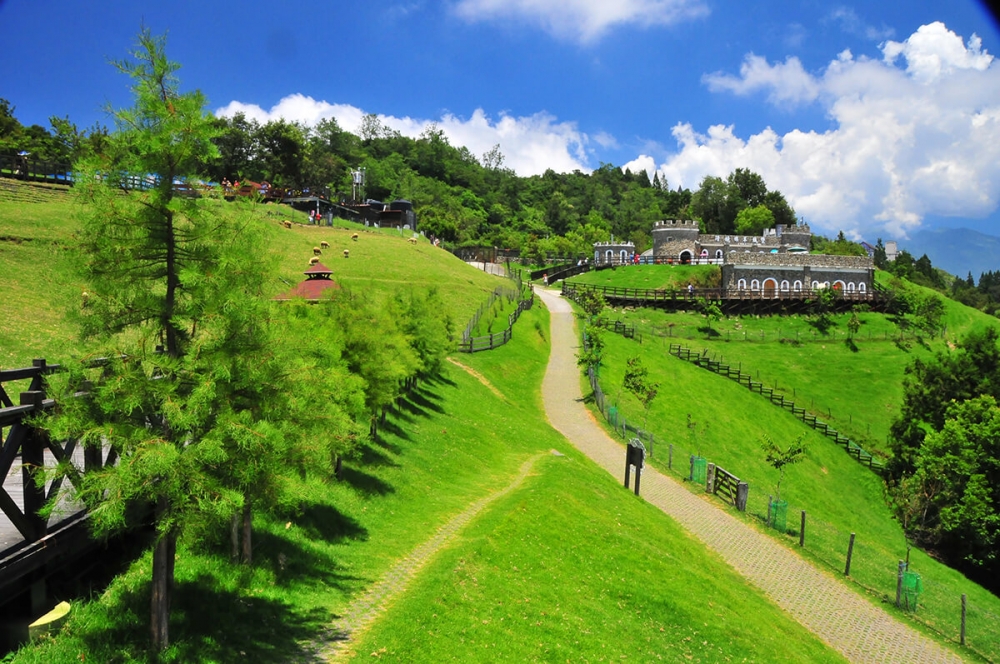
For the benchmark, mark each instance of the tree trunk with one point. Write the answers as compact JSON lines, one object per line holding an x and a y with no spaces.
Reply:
{"x":163,"y":582}
{"x":247,"y":530}
{"x":234,"y":538}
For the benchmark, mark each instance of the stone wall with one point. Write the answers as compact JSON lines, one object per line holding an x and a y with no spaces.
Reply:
{"x":800,"y":260}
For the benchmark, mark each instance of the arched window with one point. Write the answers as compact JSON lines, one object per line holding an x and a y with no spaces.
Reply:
{"x":862,"y":288}
{"x":718,"y":253}
{"x":850,"y":287}
{"x":609,"y":256}
{"x":797,"y":286}
{"x":685,"y":256}
{"x":784,"y":286}
{"x":815,"y":285}
{"x":754,"y":285}
{"x":839,"y":285}
{"x":741,"y":284}
{"x":704,"y":253}
{"x":624,"y":256}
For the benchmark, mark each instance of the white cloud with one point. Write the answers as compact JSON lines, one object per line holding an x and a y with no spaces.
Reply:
{"x":530,"y":144}
{"x":910,"y":138}
{"x":788,"y":82}
{"x":852,"y":24}
{"x":582,"y":20}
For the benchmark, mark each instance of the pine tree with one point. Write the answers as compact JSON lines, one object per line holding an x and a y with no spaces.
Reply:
{"x":164,"y":272}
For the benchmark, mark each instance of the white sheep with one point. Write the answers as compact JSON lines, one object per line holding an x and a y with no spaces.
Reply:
{"x":317,"y":251}
{"x":324,"y":244}
{"x":287,"y":224}
{"x":347,"y":253}
{"x":355,"y":237}
{"x":314,"y":260}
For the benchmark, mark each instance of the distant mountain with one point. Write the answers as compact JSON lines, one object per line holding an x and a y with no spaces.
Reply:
{"x":956,"y":250}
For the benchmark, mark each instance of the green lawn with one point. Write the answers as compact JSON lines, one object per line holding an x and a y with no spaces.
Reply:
{"x":839,"y":495}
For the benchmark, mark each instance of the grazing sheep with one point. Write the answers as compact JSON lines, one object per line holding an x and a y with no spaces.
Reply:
{"x":347,"y":253}
{"x":84,"y":296}
{"x":355,"y":237}
{"x":287,"y":223}
{"x":324,"y":244}
{"x":314,"y":260}
{"x":317,"y":251}
{"x":411,"y":240}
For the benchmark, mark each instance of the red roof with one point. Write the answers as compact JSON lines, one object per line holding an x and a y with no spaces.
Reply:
{"x":314,"y":288}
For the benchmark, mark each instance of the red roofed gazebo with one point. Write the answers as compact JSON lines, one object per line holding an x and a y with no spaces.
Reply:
{"x":314,"y":288}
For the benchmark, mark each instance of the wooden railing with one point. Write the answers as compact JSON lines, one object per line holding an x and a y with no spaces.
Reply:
{"x":654,"y":296}
{"x":736,"y":374}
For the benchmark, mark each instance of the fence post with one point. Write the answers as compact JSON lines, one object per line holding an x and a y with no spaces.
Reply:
{"x":899,"y":582}
{"x":33,"y":459}
{"x":962,"y":633}
{"x":802,"y":530}
{"x":670,"y":457}
{"x":691,"y":472}
{"x":742,"y":493}
{"x":710,"y":478}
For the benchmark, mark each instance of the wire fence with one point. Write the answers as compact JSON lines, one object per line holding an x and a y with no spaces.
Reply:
{"x":933,"y":602}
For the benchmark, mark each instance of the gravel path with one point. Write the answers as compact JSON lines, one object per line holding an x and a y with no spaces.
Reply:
{"x":850,"y":624}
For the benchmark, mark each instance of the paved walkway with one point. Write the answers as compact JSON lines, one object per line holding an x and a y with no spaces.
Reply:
{"x":849,"y":623}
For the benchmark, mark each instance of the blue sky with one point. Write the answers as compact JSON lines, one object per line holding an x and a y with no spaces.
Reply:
{"x":873,"y":118}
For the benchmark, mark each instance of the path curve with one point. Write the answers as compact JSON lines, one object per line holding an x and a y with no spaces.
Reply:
{"x":363,"y":610}
{"x":859,"y":630}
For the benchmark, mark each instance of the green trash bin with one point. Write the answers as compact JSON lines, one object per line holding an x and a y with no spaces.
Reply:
{"x":913,"y":587}
{"x":778,"y":513}
{"x":699,"y":469}
{"x":613,"y":416}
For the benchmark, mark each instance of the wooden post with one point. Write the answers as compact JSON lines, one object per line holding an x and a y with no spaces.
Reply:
{"x":962,"y":633}
{"x":742,"y":493}
{"x":899,"y":582}
{"x":628,"y":460}
{"x":802,"y":530}
{"x":691,"y":472}
{"x":33,"y":459}
{"x":670,"y":457}
{"x":710,"y":478}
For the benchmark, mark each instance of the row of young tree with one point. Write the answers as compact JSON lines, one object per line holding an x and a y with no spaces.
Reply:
{"x":214,"y":398}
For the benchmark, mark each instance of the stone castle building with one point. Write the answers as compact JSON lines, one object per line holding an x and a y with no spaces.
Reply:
{"x":771,"y":264}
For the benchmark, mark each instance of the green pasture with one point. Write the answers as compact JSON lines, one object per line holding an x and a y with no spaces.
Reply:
{"x":41,"y":287}
{"x":666,"y":277}
{"x":839,"y":495}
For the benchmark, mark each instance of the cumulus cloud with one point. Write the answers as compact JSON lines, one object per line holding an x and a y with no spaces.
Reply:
{"x":787,"y":82}
{"x":530,"y":144}
{"x":583,"y":21}
{"x":852,"y":24}
{"x":915,"y":133}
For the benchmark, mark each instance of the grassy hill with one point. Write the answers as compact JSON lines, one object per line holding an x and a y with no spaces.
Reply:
{"x":527,"y":576}
{"x":856,"y":389}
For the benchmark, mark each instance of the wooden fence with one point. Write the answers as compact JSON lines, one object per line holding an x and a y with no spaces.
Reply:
{"x":470,"y":344}
{"x":730,"y":300}
{"x":736,"y":374}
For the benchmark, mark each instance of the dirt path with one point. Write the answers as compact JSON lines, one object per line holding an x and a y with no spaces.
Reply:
{"x":363,"y":610}
{"x":827,"y":607}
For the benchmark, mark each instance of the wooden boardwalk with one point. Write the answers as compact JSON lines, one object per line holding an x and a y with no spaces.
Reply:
{"x":13,"y":485}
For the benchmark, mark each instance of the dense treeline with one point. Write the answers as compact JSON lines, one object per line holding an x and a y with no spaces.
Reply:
{"x":458,"y":196}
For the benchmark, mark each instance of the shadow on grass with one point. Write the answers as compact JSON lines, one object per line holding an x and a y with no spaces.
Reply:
{"x":390,"y":427}
{"x":821,"y":324}
{"x":327,"y":523}
{"x":709,"y":332}
{"x":439,"y":379}
{"x":851,"y":346}
{"x":426,"y":400}
{"x":370,"y":456}
{"x":365,"y":483}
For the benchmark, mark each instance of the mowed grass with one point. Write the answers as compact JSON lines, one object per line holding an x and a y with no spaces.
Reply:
{"x":655,"y":277}
{"x":571,"y":530}
{"x":855,"y":384}
{"x":839,"y":495}
{"x":40,"y":286}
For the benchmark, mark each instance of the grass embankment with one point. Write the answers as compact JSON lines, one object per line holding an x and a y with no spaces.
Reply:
{"x":574,"y":534}
{"x":40,"y":285}
{"x":656,"y":277}
{"x":840,"y":496}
